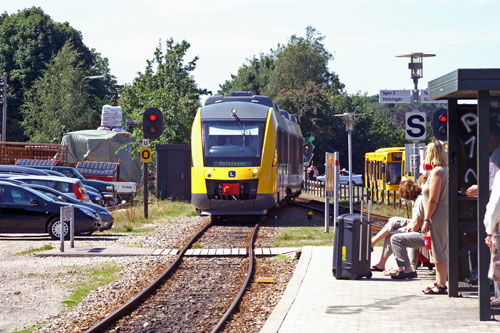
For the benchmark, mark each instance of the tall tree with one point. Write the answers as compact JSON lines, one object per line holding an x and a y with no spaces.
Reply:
{"x":28,"y":40}
{"x":253,"y":76}
{"x":54,"y":105}
{"x":168,"y":85}
{"x":302,"y":60}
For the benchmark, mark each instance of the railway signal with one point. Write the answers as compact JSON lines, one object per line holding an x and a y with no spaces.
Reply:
{"x":152,"y":123}
{"x":440,"y":124}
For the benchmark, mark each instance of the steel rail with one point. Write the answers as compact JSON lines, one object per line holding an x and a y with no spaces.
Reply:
{"x":245,"y":284}
{"x":103,"y":324}
{"x":374,"y":226}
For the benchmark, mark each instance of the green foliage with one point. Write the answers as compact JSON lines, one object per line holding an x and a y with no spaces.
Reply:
{"x":302,"y":60}
{"x":54,"y":106}
{"x":29,"y":39}
{"x":253,"y":76}
{"x":166,"y":84}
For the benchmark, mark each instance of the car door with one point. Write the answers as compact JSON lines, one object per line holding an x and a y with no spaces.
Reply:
{"x":19,"y":211}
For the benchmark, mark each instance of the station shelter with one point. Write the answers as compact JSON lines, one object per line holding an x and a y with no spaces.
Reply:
{"x":473,"y":134}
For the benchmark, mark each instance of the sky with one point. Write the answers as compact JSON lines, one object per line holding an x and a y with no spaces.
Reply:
{"x":364,"y":36}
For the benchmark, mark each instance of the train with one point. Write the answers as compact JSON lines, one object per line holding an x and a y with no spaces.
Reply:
{"x":247,"y":156}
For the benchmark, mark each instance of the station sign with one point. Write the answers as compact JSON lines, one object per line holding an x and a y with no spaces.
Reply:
{"x":415,"y":129}
{"x":424,"y":97}
{"x":394,"y":96}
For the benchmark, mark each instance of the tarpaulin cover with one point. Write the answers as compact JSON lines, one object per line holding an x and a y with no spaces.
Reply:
{"x":102,"y":146}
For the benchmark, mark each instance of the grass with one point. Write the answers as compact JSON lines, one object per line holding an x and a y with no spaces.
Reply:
{"x":96,"y":277}
{"x":32,"y":329}
{"x":132,"y":218}
{"x":303,"y":236}
{"x":31,"y":251}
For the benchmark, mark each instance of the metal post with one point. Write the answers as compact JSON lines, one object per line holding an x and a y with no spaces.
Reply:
{"x":4,"y":114}
{"x":483,"y":110}
{"x":72,"y":227}
{"x":327,"y":214}
{"x":349,"y":149}
{"x":336,"y":190}
{"x":146,"y":190}
{"x":61,"y":230}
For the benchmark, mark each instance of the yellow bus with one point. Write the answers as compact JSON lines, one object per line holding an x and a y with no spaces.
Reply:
{"x":384,"y":168}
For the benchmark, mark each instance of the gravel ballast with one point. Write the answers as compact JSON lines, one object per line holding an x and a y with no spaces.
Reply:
{"x":33,"y":288}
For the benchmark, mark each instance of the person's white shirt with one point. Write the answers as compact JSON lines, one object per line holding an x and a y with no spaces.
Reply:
{"x":492,"y":215}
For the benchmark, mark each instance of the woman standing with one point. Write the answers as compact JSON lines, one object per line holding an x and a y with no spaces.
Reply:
{"x":435,"y":192}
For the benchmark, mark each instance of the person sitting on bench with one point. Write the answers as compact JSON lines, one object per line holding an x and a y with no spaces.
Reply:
{"x":408,"y":190}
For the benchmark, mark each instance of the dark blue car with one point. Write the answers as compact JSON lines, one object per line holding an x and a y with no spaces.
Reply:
{"x":24,"y":210}
{"x":104,"y":214}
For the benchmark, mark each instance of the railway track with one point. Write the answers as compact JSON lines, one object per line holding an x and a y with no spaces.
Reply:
{"x":378,"y":221}
{"x":192,"y":294}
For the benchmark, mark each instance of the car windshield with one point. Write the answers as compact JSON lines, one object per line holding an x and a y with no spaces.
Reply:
{"x":232,"y":143}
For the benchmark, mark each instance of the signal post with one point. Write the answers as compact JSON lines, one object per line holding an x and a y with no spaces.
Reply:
{"x":152,"y":126}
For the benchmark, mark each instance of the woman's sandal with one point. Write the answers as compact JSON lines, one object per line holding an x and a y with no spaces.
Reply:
{"x":376,"y":269}
{"x":431,"y":291}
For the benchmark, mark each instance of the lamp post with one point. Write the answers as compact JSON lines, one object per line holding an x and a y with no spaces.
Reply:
{"x":416,"y":66}
{"x":92,"y":77}
{"x":349,"y":122}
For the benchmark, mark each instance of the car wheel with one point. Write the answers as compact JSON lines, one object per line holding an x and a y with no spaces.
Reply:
{"x":113,"y":202}
{"x":54,"y":229}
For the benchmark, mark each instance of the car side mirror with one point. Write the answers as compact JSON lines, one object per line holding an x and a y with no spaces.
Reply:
{"x":35,"y":202}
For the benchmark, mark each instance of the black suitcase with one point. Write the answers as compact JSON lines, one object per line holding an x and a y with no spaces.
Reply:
{"x":352,"y":247}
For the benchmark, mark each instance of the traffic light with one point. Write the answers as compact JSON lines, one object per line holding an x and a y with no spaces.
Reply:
{"x":308,"y":149}
{"x":440,"y":124}
{"x":152,"y":123}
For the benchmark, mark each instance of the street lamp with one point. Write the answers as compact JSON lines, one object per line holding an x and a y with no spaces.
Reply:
{"x":349,"y":123}
{"x":92,"y":77}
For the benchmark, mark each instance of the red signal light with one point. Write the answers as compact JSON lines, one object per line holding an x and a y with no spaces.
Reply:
{"x":152,"y":117}
{"x":443,"y":118}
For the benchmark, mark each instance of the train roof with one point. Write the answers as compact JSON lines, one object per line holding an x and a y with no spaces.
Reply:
{"x":242,"y":97}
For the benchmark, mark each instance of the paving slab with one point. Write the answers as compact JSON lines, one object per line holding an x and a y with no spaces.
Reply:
{"x":315,"y":301}
{"x":98,"y":252}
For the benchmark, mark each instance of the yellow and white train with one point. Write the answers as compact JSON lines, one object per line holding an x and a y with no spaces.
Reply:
{"x":247,"y":156}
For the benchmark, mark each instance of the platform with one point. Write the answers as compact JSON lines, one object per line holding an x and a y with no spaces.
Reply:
{"x":315,"y":301}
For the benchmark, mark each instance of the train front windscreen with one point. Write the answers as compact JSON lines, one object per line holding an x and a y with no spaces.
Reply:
{"x":232,"y":143}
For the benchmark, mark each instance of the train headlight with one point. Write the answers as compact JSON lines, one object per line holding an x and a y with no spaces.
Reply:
{"x":209,"y":172}
{"x":254,"y":173}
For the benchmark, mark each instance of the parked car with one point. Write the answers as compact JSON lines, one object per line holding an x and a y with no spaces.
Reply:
{"x":14,"y":169}
{"x":104,"y":214}
{"x":94,"y":195}
{"x":24,"y":210}
{"x":70,"y":186}
{"x":107,"y":190}
{"x":344,"y":178}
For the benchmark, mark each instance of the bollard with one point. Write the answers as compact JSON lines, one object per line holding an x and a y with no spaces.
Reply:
{"x":309,"y":215}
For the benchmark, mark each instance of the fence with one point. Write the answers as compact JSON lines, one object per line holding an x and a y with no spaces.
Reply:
{"x":11,"y":151}
{"x":317,"y":188}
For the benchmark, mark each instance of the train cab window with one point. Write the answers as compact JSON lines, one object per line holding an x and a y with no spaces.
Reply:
{"x":232,"y":144}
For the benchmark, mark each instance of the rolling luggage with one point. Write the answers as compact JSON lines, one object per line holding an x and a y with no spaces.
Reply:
{"x":352,"y":247}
